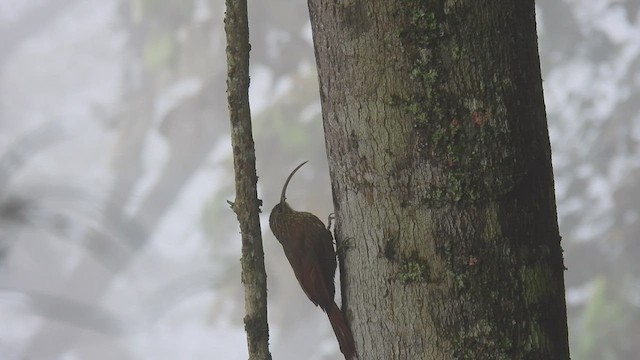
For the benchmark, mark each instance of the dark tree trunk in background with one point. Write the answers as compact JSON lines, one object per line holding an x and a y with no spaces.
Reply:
{"x":441,"y":172}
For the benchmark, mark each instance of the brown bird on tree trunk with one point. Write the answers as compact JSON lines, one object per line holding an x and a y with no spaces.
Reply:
{"x":308,"y":246}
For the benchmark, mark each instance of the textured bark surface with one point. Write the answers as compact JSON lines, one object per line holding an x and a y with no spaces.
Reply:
{"x":441,"y":173}
{"x":247,"y":205}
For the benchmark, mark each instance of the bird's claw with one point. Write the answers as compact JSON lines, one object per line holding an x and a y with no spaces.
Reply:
{"x":330,"y":219}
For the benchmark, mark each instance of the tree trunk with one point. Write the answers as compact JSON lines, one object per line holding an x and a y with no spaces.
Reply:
{"x":247,"y":205}
{"x":441,"y":173}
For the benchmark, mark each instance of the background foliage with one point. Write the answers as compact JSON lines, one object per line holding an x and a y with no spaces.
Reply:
{"x":115,"y":238}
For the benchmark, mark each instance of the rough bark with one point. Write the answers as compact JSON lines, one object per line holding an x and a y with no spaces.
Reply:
{"x":441,"y":172}
{"x":247,"y":205}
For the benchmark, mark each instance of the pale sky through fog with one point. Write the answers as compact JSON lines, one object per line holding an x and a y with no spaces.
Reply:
{"x":116,"y":240}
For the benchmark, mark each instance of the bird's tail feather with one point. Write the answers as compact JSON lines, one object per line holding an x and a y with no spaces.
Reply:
{"x":342,"y":331}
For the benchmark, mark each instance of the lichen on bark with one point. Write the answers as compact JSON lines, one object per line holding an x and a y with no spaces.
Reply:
{"x":461,"y":130}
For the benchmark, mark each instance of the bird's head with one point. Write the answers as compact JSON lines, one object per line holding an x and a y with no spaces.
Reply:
{"x":278,"y":216}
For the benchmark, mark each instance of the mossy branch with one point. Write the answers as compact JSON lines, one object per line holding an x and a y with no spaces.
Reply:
{"x":247,"y":204}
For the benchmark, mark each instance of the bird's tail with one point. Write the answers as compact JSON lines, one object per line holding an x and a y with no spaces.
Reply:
{"x":342,"y":331}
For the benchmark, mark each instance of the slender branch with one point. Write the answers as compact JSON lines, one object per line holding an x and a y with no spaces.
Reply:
{"x":247,"y":205}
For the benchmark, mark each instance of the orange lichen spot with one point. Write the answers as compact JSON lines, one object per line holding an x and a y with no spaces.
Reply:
{"x":450,"y":162}
{"x":480,"y":117}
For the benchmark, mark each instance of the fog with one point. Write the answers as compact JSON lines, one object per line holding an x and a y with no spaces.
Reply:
{"x":116,"y":240}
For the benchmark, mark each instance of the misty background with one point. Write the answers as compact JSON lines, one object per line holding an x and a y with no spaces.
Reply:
{"x":116,"y":241}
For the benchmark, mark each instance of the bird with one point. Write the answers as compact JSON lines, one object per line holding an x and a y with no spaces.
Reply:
{"x":308,"y":246}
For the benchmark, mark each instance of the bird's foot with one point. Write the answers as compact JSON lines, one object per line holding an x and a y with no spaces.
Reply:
{"x":330,"y":219}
